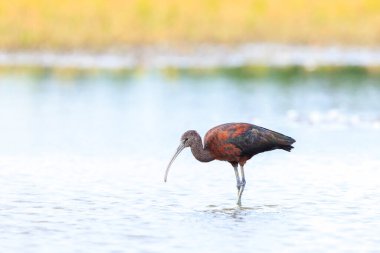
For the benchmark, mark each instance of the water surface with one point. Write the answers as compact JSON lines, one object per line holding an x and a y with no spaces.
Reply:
{"x":83,"y":155}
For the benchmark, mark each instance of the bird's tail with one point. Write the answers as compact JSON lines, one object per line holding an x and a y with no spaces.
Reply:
{"x":285,"y":142}
{"x":287,"y":148}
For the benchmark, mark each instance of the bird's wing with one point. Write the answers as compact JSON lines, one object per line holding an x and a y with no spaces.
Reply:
{"x":258,"y":139}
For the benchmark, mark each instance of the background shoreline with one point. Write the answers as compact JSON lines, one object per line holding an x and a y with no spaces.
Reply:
{"x":199,"y":56}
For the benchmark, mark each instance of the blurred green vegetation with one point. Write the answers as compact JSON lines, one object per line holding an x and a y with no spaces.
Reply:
{"x":99,"y":24}
{"x":334,"y":75}
{"x":347,"y":75}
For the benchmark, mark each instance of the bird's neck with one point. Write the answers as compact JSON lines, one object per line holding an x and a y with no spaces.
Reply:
{"x":200,"y":153}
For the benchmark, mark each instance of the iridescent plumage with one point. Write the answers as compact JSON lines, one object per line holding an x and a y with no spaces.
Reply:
{"x":235,"y":143}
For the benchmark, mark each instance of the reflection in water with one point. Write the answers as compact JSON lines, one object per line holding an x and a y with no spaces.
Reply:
{"x":239,"y":213}
{"x":83,"y":155}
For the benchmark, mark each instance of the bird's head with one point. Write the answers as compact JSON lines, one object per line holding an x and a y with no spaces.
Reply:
{"x":187,"y":140}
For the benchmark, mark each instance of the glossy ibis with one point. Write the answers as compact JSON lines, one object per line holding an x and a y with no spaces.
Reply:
{"x":235,"y":143}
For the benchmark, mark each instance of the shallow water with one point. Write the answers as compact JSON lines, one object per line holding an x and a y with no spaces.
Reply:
{"x":83,"y":156}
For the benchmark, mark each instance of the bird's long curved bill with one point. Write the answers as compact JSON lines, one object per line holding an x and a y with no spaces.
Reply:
{"x":179,"y":149}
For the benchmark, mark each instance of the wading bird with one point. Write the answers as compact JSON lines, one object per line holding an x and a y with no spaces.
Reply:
{"x":235,"y":143}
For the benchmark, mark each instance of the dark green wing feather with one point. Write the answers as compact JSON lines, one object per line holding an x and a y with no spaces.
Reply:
{"x":258,"y":139}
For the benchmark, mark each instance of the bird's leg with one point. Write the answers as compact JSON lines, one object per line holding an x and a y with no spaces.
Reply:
{"x":238,"y":182}
{"x":242,"y":184}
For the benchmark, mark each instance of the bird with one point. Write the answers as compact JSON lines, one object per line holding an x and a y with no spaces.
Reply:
{"x":235,"y":143}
